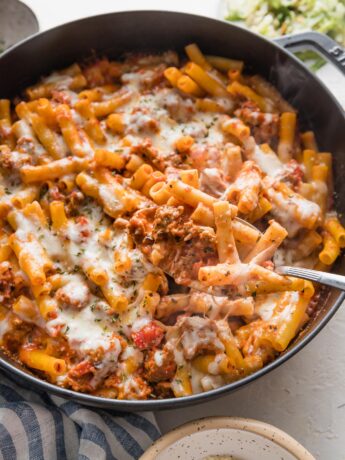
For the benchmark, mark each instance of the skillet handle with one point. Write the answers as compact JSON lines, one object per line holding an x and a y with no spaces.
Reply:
{"x":330,"y":49}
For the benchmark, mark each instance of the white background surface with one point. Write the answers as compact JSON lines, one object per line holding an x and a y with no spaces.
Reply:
{"x":305,"y":396}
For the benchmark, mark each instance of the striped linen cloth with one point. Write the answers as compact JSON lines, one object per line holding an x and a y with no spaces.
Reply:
{"x":38,"y":426}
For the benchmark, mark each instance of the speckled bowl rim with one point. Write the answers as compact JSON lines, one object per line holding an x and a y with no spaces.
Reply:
{"x":263,"y":429}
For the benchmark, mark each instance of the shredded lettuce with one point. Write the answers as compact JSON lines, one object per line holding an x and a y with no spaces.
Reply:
{"x":279,"y":17}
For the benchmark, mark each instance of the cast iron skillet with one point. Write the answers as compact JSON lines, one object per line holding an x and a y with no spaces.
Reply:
{"x":116,"y":33}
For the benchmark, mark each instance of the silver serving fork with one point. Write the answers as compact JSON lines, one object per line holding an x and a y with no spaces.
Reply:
{"x":329,"y":279}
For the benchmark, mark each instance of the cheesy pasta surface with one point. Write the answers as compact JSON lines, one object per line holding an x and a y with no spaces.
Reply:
{"x":126,"y":268}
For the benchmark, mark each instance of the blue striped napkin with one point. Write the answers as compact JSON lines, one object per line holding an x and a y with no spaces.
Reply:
{"x":37,"y":426}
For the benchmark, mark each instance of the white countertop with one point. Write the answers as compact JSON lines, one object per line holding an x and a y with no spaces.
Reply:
{"x":306,"y":395}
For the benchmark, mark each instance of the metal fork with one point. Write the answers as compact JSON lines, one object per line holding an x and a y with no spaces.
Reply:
{"x":329,"y":279}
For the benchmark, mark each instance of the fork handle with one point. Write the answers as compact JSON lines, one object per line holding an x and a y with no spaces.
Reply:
{"x":329,"y":279}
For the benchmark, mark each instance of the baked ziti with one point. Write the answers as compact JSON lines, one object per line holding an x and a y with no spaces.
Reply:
{"x":116,"y":174}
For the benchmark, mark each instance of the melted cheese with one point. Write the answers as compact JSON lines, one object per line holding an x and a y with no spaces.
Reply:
{"x":294,"y":211}
{"x":5,"y":326}
{"x":46,"y":237}
{"x":265,"y":305}
{"x":132,"y":353}
{"x":267,"y":161}
{"x":88,"y":251}
{"x":86,"y":331}
{"x":158,"y":357}
{"x":25,"y":133}
{"x":131,"y":388}
{"x":214,"y":366}
{"x":210,"y":382}
{"x":198,"y":333}
{"x":76,"y":289}
{"x":195,"y":380}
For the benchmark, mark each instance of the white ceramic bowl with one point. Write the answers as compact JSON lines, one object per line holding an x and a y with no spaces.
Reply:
{"x":238,"y":438}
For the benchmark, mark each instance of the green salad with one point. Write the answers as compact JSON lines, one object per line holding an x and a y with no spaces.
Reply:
{"x":279,"y":17}
{"x":274,"y":18}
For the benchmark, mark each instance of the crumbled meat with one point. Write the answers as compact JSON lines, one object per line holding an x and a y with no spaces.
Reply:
{"x":212,"y":182}
{"x":314,"y":303}
{"x":62,"y":97}
{"x":198,"y":335}
{"x":19,"y":330}
{"x":147,"y":78}
{"x":141,"y":122}
{"x":10,"y":282}
{"x":73,"y":201}
{"x":182,"y":246}
{"x":158,"y":371}
{"x":154,"y":77}
{"x":149,"y":153}
{"x":205,"y":156}
{"x":6,"y":281}
{"x":292,"y":174}
{"x":163,"y":390}
{"x":172,"y":173}
{"x":26,"y":145}
{"x":181,"y":109}
{"x":102,"y":72}
{"x":74,"y":294}
{"x":264,"y":126}
{"x":133,"y":387}
{"x":80,"y":376}
{"x":84,"y":226}
{"x":54,"y":193}
{"x":143,"y":59}
{"x":12,"y":160}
